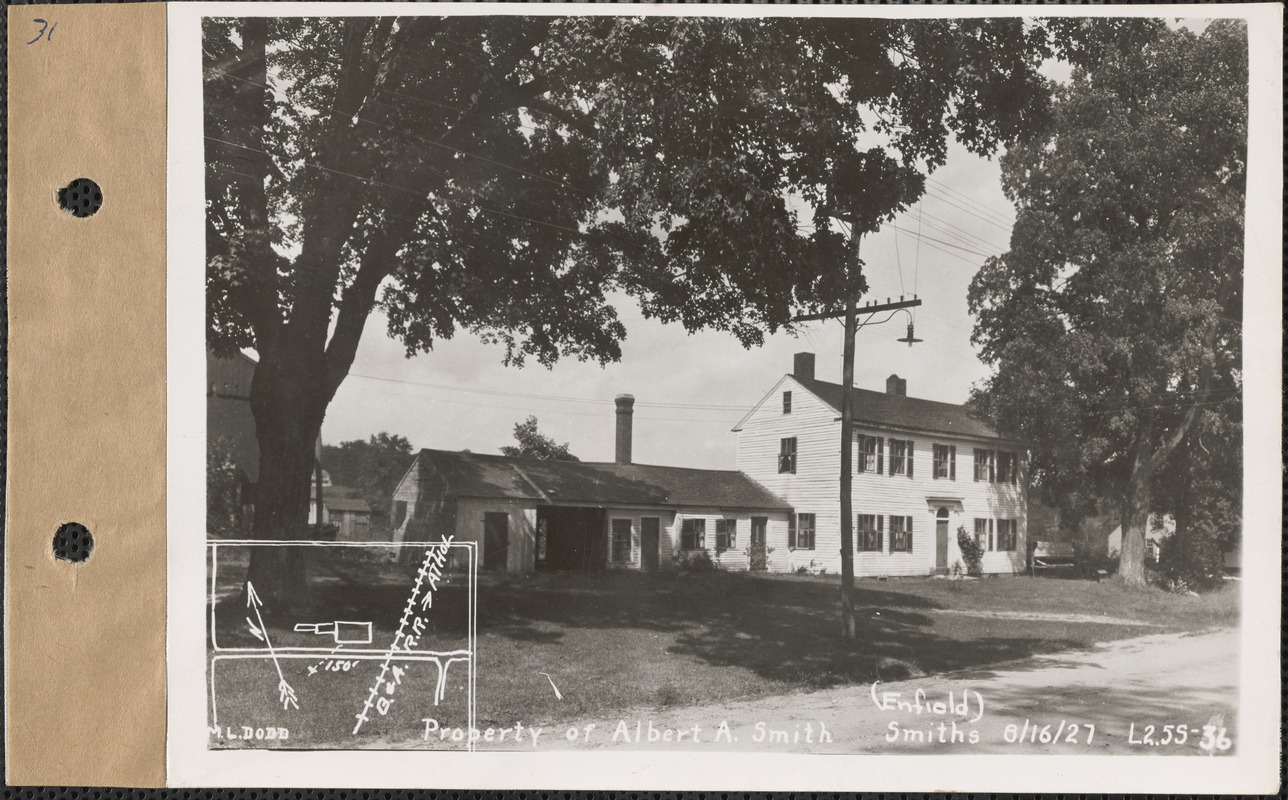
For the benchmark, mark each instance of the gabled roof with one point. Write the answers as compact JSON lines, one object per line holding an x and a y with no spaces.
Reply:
{"x":594,"y":483}
{"x":345,"y":503}
{"x":880,"y":408}
{"x":883,"y":410}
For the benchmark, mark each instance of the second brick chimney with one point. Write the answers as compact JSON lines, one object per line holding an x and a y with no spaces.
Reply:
{"x":896,"y":386}
{"x":803,"y":366}
{"x":625,"y":423}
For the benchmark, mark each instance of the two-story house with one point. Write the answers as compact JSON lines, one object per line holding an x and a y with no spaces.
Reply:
{"x":922,"y":469}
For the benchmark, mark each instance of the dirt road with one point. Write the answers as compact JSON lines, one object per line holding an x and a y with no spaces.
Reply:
{"x":1098,"y":701}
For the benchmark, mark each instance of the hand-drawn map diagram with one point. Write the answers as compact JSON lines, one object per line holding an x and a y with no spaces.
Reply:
{"x":342,"y":645}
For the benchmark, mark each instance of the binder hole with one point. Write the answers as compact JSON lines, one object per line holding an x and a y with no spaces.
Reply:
{"x":81,"y":198}
{"x":73,"y":542}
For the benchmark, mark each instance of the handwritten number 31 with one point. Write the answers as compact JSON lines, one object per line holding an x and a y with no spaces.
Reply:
{"x":46,"y":31}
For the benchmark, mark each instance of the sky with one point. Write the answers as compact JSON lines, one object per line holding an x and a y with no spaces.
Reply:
{"x":690,"y":390}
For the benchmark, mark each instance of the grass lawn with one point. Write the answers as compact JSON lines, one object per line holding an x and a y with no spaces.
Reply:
{"x":618,"y":641}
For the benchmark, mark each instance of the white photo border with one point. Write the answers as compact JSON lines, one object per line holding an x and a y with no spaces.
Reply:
{"x":1255,"y":767}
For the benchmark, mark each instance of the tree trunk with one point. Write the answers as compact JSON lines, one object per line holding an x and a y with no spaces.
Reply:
{"x":289,"y":404}
{"x":1135,"y":514}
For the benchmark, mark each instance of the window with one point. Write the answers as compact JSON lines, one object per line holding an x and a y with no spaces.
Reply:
{"x":870,"y":452}
{"x":621,"y":541}
{"x":901,"y":457}
{"x":984,"y":533}
{"x":804,"y":531}
{"x":869,"y":533}
{"x":758,"y":527}
{"x":901,"y":534}
{"x":726,"y":534}
{"x":787,"y":402}
{"x":400,"y":512}
{"x":693,"y":534}
{"x":1007,"y":467}
{"x":946,"y":461}
{"x":542,"y":537}
{"x":787,"y":455}
{"x":985,"y":465}
{"x":1007,"y":531}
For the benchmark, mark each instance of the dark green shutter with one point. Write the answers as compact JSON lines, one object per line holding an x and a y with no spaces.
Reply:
{"x":952,"y":462}
{"x":880,"y":534}
{"x":880,"y":452}
{"x":909,"y":457}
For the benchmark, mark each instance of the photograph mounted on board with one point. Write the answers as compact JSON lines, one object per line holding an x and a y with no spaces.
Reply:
{"x":552,"y":404}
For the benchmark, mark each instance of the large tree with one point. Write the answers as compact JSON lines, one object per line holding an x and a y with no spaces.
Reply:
{"x":1112,"y":322}
{"x":532,"y":443}
{"x":502,"y":175}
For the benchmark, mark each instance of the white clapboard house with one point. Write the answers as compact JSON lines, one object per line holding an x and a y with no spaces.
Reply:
{"x":922,"y":469}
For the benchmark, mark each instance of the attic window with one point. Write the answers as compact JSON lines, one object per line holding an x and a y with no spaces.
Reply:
{"x":787,"y":402}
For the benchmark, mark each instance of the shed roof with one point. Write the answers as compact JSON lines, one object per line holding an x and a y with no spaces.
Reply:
{"x":341,"y":503}
{"x":595,"y":483}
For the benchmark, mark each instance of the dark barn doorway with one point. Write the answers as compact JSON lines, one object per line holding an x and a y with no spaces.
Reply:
{"x":650,"y":538}
{"x":496,"y":540}
{"x":575,"y":538}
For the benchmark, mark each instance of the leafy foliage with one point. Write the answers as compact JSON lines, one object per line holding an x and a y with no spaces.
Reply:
{"x":373,"y":467}
{"x":1112,"y":321}
{"x":972,"y":552}
{"x":535,"y":444}
{"x":223,"y":489}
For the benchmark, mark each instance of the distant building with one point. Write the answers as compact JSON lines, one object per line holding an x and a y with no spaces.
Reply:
{"x":1158,"y":528}
{"x":230,"y":424}
{"x":528,"y":514}
{"x":922,"y":469}
{"x":343,"y":508}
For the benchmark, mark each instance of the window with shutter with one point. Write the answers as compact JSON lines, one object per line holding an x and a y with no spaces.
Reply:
{"x":791,"y":531}
{"x":866,"y":540}
{"x":726,"y":534}
{"x":693,"y":534}
{"x":805,"y":532}
{"x":900,"y":534}
{"x":787,"y":455}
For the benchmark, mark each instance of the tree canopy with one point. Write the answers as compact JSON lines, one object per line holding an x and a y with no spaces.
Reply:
{"x":504,"y":175}
{"x":532,"y":443}
{"x":373,"y":467}
{"x":1113,"y":320}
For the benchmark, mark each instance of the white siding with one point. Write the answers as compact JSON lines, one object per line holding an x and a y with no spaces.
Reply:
{"x":815,"y":486}
{"x":521,"y":528}
{"x":737,"y":557}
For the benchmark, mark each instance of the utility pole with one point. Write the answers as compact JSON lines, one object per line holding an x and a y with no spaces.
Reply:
{"x":851,"y":315}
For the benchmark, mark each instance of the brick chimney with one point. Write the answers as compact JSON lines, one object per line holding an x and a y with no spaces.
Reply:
{"x":625,"y":420}
{"x":896,"y":386}
{"x":803,"y":366}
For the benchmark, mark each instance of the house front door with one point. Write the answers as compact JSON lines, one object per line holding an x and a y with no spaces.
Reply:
{"x":649,"y":539}
{"x":941,"y":541}
{"x":496,"y":540}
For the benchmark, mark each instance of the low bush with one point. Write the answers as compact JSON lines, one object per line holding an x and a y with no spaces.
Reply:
{"x":972,"y":553}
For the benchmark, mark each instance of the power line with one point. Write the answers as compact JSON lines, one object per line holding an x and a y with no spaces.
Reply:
{"x":946,"y":199}
{"x":557,"y":398}
{"x":1001,"y":217}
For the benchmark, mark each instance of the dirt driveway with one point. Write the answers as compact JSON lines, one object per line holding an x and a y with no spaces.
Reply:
{"x":1098,"y":701}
